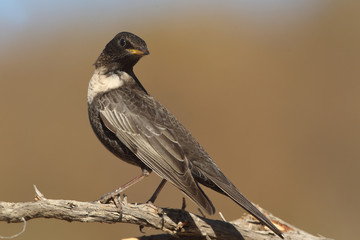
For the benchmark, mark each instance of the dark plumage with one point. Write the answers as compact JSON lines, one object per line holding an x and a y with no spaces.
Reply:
{"x":139,"y":130}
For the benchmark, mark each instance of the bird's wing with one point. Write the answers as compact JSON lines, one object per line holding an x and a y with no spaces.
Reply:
{"x":139,"y":122}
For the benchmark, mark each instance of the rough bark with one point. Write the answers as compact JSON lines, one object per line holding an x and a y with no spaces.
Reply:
{"x":174,"y":223}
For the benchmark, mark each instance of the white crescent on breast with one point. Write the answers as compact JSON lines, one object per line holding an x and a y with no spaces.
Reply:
{"x":101,"y":83}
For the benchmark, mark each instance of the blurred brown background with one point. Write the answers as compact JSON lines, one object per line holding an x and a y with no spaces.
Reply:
{"x":269,"y":88}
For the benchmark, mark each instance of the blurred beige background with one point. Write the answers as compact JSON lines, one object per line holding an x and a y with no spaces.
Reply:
{"x":269,"y":88}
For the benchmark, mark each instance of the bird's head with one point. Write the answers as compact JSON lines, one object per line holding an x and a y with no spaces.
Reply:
{"x":122,"y":52}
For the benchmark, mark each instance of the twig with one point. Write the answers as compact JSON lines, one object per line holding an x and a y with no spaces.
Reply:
{"x":174,"y":222}
{"x":17,"y":234}
{"x":222,"y":217}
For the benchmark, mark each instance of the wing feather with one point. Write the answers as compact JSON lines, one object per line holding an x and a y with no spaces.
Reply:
{"x":142,"y":125}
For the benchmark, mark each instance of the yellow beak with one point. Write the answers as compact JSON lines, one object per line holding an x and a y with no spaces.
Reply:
{"x":141,"y":52}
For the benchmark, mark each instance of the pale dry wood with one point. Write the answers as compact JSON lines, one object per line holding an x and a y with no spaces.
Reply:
{"x":174,"y":222}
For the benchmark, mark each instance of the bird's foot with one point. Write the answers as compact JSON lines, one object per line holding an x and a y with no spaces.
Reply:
{"x":114,"y":196}
{"x":108,"y":196}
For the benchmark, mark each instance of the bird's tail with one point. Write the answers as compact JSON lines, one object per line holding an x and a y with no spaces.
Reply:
{"x":231,"y":191}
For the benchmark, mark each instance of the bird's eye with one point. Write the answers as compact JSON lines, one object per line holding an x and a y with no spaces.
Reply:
{"x":122,"y":42}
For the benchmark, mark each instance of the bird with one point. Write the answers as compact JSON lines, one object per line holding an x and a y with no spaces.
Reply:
{"x":139,"y":130}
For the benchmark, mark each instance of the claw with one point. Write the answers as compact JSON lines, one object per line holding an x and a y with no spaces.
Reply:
{"x":107,"y":197}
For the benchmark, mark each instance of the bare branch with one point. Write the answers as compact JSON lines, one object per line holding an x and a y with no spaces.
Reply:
{"x":174,"y":222}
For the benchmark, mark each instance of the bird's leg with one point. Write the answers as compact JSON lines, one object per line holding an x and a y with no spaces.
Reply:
{"x":112,"y":195}
{"x":183,"y":206}
{"x":157,"y":191}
